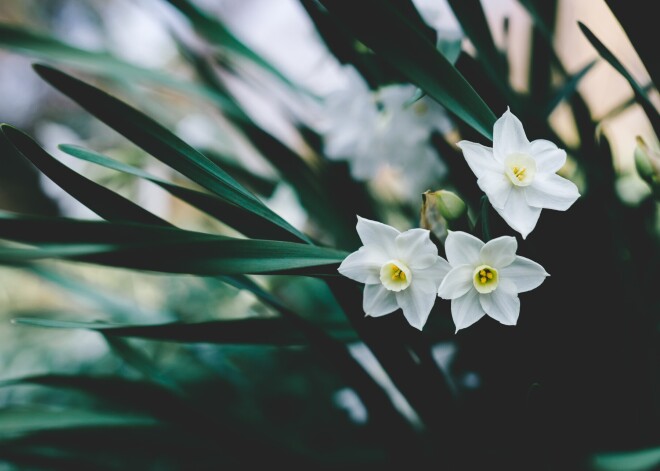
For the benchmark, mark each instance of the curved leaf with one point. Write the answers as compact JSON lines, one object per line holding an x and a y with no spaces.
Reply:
{"x":162,"y":144}
{"x":266,"y":331}
{"x":160,"y":249}
{"x":217,"y":33}
{"x":637,"y":26}
{"x":568,"y":89}
{"x":99,"y":199}
{"x":20,"y":420}
{"x":220,"y":209}
{"x":30,"y":42}
{"x":472,"y":18}
{"x":378,"y":24}
{"x":640,"y":94}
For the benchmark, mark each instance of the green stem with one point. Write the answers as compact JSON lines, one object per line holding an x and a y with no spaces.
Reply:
{"x":485,"y":229}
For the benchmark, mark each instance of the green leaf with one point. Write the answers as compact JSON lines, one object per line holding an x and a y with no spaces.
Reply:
{"x":472,"y":18}
{"x":160,"y":249}
{"x":21,"y":420}
{"x":30,"y":42}
{"x":568,"y":89}
{"x":53,"y":231}
{"x":217,"y":33}
{"x":266,"y":331}
{"x":638,"y":460}
{"x":120,"y":309}
{"x":212,"y":205}
{"x":640,"y":94}
{"x":378,"y":24}
{"x":99,"y":199}
{"x":162,"y":144}
{"x":637,"y":28}
{"x":161,"y":403}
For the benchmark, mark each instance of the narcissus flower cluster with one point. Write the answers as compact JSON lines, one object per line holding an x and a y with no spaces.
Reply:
{"x":403,"y":269}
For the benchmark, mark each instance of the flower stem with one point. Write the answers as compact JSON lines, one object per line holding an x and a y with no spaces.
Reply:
{"x":485,"y":229}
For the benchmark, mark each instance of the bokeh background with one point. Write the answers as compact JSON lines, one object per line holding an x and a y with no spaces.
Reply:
{"x":575,"y":385}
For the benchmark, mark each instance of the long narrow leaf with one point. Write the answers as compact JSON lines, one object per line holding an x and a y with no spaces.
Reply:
{"x":20,"y":420}
{"x":220,"y":209}
{"x":99,"y":199}
{"x":32,"y":43}
{"x":268,"y":331}
{"x":569,"y":88}
{"x":472,"y":18}
{"x":640,"y":93}
{"x":43,"y":230}
{"x":162,"y":144}
{"x":637,"y":26}
{"x":161,"y":249}
{"x":379,"y":26}
{"x":217,"y":33}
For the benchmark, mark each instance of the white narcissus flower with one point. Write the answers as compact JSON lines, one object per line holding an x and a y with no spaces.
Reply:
{"x":519,"y":177}
{"x":375,"y":129}
{"x":486,"y":279}
{"x":399,"y":270}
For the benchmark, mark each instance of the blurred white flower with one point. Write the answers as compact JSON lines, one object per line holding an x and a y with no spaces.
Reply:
{"x":519,"y":176}
{"x":400,"y":270}
{"x":284,"y":201}
{"x":486,"y":279}
{"x":371,"y":129}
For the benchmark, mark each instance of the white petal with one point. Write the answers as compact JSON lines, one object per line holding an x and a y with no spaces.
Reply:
{"x":552,"y":191}
{"x":549,"y":158}
{"x":435,"y":272}
{"x":509,"y":137}
{"x":466,"y":310}
{"x":518,"y":214}
{"x":378,"y":301}
{"x":462,"y":248}
{"x":502,"y":306}
{"x":497,"y":187}
{"x":480,"y":158}
{"x":364,"y":265}
{"x":377,"y":234}
{"x":524,"y":273}
{"x":415,"y":249}
{"x":499,"y":252}
{"x":416,"y":301}
{"x":457,"y":282}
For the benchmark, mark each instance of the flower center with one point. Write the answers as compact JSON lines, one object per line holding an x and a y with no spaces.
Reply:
{"x":485,"y":279}
{"x":395,"y":275}
{"x":520,"y":168}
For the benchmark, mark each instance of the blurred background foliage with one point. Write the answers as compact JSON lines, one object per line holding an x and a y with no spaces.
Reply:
{"x":191,"y":364}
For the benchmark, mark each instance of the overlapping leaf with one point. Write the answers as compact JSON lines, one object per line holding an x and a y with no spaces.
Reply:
{"x":640,"y":94}
{"x":160,"y":249}
{"x":379,"y":25}
{"x":162,"y":144}
{"x":267,"y":331}
{"x":45,"y":47}
{"x":212,"y":205}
